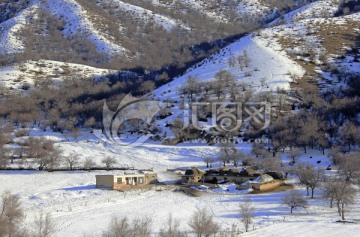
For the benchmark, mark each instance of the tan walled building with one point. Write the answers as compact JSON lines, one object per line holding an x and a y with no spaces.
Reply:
{"x":123,"y":181}
{"x":192,"y":175}
{"x":264,"y":183}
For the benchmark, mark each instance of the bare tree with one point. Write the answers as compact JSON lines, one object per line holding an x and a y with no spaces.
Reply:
{"x":349,"y":166}
{"x":349,"y":134}
{"x":141,"y":227}
{"x":224,"y":159}
{"x":287,"y":169}
{"x":172,"y":229}
{"x":345,"y":195}
{"x":124,"y":228}
{"x":258,"y":150}
{"x":329,"y":193}
{"x":231,"y":61}
{"x":294,"y":199}
{"x":44,"y":225}
{"x":336,"y":155}
{"x":294,"y":154}
{"x":225,"y":77}
{"x":109,"y":162}
{"x":191,"y":87}
{"x":271,"y":163}
{"x":312,"y":129}
{"x":247,"y":212}
{"x":88,"y":164}
{"x":237,"y":157}
{"x":53,"y":158}
{"x":4,"y":159}
{"x":227,"y":152}
{"x":202,"y":224}
{"x":234,"y":231}
{"x":11,"y":215}
{"x":118,"y":228}
{"x":218,"y":87}
{"x":243,"y":60}
{"x":45,"y":153}
{"x":342,"y":192}
{"x":209,"y":161}
{"x":310,"y":177}
{"x":72,"y":160}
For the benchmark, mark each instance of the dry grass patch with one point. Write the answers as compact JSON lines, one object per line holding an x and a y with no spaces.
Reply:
{"x":335,"y":37}
{"x":289,"y":42}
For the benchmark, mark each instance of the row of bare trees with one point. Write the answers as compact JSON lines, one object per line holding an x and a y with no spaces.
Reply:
{"x":12,"y":218}
{"x":336,"y":191}
{"x":338,"y":188}
{"x":45,"y":154}
{"x":201,"y":224}
{"x":323,"y":120}
{"x":222,"y":85}
{"x":66,"y":109}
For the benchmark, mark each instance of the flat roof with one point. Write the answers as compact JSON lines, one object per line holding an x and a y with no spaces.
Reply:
{"x":124,"y":175}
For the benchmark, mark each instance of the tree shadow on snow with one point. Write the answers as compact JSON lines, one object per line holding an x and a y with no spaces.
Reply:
{"x":80,"y":188}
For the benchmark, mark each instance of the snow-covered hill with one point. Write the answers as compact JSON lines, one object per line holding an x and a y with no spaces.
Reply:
{"x":79,"y":18}
{"x":78,"y":21}
{"x":44,"y":71}
{"x":143,"y":14}
{"x":101,"y":26}
{"x":317,"y":9}
{"x":277,"y":52}
{"x":265,"y":62}
{"x":9,"y":43}
{"x":108,"y":27}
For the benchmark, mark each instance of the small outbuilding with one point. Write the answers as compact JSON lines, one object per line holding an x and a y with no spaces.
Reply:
{"x":193,"y":175}
{"x":230,"y":175}
{"x":264,"y":182}
{"x":123,"y":181}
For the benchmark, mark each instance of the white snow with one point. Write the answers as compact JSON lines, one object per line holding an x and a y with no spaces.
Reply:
{"x":78,"y":208}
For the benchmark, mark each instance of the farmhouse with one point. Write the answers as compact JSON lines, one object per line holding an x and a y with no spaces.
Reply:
{"x":193,"y":175}
{"x":230,"y":175}
{"x":264,"y":182}
{"x":118,"y":182}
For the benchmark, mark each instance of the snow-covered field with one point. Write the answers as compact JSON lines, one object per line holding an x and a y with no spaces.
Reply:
{"x":78,"y":208}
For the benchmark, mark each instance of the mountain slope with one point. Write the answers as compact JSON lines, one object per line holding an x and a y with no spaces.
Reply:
{"x":78,"y":21}
{"x":127,"y":34}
